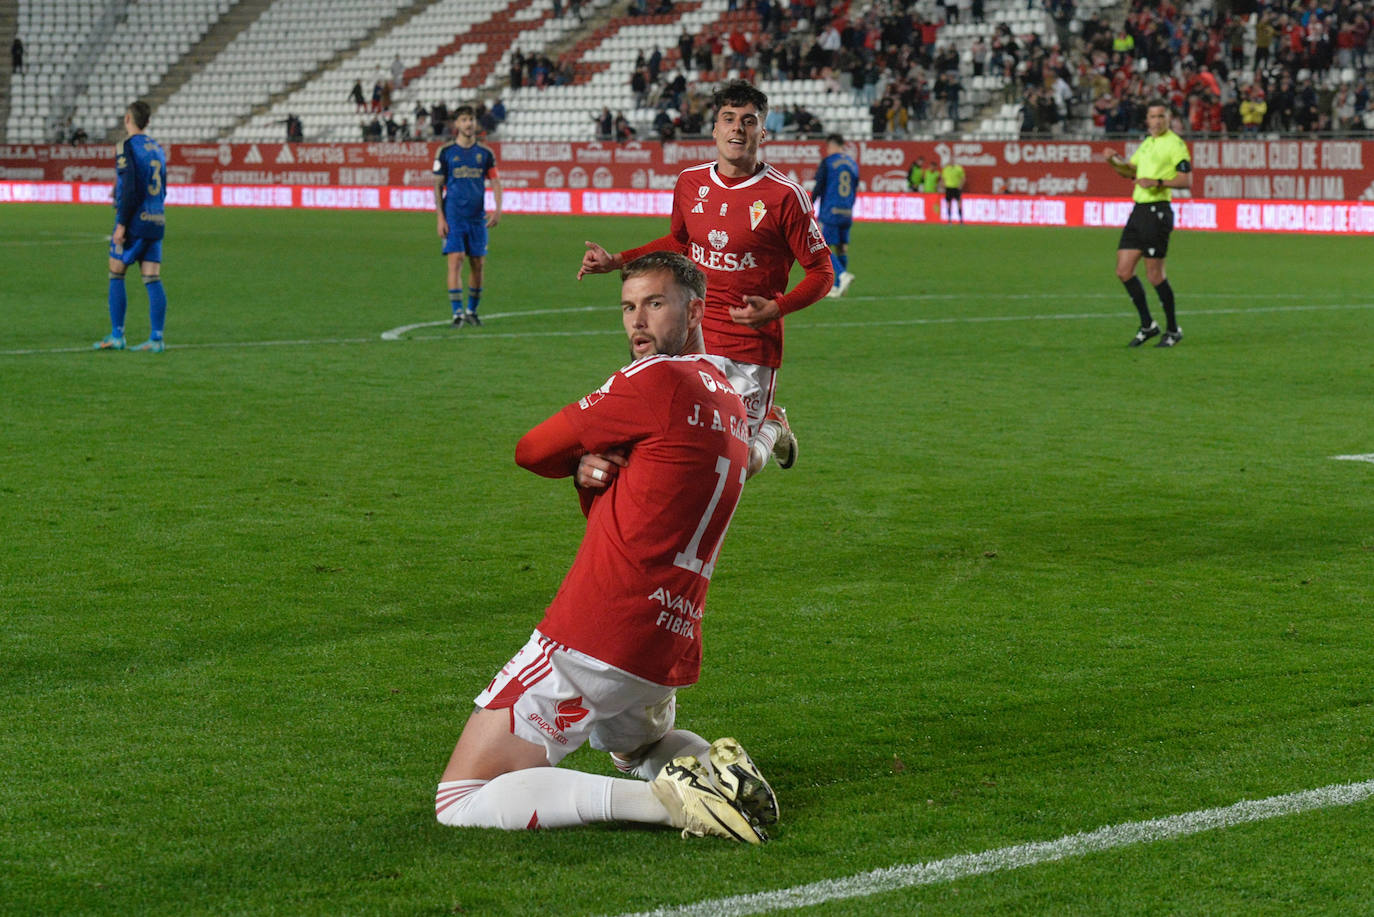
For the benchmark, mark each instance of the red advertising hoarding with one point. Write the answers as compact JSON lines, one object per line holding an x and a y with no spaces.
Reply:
{"x":1294,"y":170}
{"x":1322,"y":217}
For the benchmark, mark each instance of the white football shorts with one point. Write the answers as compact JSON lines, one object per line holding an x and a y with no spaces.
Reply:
{"x":560,"y":698}
{"x":755,"y":385}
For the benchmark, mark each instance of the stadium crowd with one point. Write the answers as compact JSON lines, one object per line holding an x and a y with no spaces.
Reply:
{"x":1294,"y":65}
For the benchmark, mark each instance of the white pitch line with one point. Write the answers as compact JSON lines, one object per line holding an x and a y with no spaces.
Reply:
{"x":1111,"y":837}
{"x":1367,"y":457}
{"x":396,"y":334}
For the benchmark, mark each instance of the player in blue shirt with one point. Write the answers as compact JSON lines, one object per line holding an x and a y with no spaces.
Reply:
{"x":140,"y":197}
{"x":837,"y":183}
{"x":461,"y":171}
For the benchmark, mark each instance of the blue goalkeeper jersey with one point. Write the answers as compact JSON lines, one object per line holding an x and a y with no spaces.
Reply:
{"x":837,"y":183}
{"x":464,"y":171}
{"x":140,"y":191}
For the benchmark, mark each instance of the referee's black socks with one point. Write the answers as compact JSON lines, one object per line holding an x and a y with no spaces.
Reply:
{"x":1137,"y":291}
{"x":1166,"y":299}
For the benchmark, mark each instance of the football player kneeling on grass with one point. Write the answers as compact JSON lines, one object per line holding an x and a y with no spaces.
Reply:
{"x":658,"y":455}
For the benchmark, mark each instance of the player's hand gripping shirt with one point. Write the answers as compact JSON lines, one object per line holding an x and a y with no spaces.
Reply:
{"x":745,"y":237}
{"x":636,"y":591}
{"x":464,"y":171}
{"x":140,"y":191}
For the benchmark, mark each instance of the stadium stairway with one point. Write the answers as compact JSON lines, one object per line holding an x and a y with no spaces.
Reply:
{"x":240,"y":16}
{"x":399,"y":18}
{"x":498,"y":33}
{"x":9,"y":25}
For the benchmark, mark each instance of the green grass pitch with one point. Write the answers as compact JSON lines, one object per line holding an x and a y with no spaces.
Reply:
{"x":1023,"y":582}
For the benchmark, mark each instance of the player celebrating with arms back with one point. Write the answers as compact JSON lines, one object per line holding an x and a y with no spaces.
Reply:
{"x":745,"y":224}
{"x":140,"y":197}
{"x":1158,"y":166}
{"x":461,"y":170}
{"x":624,"y":630}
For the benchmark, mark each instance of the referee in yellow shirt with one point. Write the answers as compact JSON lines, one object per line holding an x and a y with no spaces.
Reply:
{"x":1158,"y":166}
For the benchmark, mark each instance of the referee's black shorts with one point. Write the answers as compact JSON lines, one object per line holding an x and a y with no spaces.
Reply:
{"x":954,"y":194}
{"x":1148,"y":229}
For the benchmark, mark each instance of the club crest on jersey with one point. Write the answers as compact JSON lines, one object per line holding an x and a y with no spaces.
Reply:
{"x":718,"y":238}
{"x":756,"y":214}
{"x":702,"y":191}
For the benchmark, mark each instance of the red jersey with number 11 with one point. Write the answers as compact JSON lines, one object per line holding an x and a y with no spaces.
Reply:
{"x":636,"y":591}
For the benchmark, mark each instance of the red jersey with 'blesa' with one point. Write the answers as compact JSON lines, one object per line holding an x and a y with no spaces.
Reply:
{"x":745,"y":236}
{"x":636,"y":591}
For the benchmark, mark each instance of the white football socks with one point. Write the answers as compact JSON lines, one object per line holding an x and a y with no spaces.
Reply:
{"x":546,"y":797}
{"x":673,"y":745}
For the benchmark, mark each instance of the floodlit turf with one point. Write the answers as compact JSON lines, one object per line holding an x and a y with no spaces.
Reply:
{"x":1023,"y":582}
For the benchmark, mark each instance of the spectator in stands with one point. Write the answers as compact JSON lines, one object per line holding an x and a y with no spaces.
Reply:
{"x":393,"y":129}
{"x":438,"y":117}
{"x":355,"y":96}
{"x":605,"y":124}
{"x":808,"y":125}
{"x":639,"y":85}
{"x":624,"y":130}
{"x":498,"y":112}
{"x":517,"y":69}
{"x":17,"y":55}
{"x":655,"y":64}
{"x":377,"y":96}
{"x":398,"y":72}
{"x":295,"y":130}
{"x":685,"y":44}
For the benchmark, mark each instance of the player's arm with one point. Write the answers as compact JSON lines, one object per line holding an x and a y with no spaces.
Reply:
{"x":1122,"y":167}
{"x":818,"y":192}
{"x":130,"y":191}
{"x":552,"y":449}
{"x":495,"y":178}
{"x":439,"y":205}
{"x":810,"y":250}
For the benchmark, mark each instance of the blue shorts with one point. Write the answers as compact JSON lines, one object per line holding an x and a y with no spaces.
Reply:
{"x":467,"y":237}
{"x":139,"y":250}
{"x":836,"y":233}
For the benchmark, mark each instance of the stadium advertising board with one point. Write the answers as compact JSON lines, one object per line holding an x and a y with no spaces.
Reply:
{"x":1322,"y":217}
{"x":1287,"y":169}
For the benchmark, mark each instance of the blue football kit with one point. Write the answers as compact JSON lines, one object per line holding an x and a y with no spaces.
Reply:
{"x":140,"y":201}
{"x":837,"y":184}
{"x":464,"y":171}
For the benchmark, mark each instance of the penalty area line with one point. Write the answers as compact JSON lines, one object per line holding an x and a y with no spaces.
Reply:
{"x":1111,"y":837}
{"x":1366,"y":457}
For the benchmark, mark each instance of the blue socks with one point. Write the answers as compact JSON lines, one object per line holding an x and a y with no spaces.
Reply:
{"x":838,"y":264}
{"x":119,"y":304}
{"x":157,"y":307}
{"x":455,"y":299}
{"x":474,"y":297}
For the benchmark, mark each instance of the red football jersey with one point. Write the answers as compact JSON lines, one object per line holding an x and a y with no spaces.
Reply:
{"x":636,"y":591}
{"x":745,"y":235}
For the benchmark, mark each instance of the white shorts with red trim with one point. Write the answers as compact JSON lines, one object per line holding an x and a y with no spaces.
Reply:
{"x":754,"y":384}
{"x":560,"y":698}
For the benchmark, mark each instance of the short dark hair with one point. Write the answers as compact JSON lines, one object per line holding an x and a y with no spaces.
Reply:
{"x":837,"y":139}
{"x":686,"y":275}
{"x":1159,"y":102}
{"x":464,"y":110}
{"x":739,"y":93}
{"x":142,"y":113}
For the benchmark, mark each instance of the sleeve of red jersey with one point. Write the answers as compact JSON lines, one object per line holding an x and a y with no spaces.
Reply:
{"x":675,"y":241}
{"x":809,"y":248}
{"x":551,"y":449}
{"x":617,"y":415}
